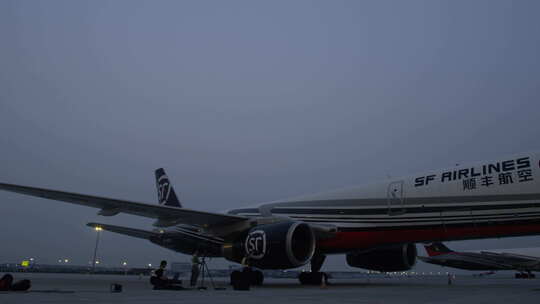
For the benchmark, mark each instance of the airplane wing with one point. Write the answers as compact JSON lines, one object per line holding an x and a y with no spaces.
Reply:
{"x":516,"y":260}
{"x":465,"y":261}
{"x":165,"y":215}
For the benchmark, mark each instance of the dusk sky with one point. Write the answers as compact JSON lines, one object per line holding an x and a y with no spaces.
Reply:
{"x":245,"y":102}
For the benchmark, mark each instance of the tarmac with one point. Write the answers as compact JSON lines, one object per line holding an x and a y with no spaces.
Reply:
{"x":84,"y":288}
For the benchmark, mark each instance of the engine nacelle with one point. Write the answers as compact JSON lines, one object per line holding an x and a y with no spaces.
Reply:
{"x":274,"y":246}
{"x":396,"y":258}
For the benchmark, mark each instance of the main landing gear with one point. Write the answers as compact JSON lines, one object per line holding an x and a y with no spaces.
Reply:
{"x":525,"y":275}
{"x":247,"y":275}
{"x":314,"y":277}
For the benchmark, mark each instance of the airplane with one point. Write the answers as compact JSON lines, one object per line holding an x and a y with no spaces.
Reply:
{"x":376,"y":226}
{"x":439,"y":254}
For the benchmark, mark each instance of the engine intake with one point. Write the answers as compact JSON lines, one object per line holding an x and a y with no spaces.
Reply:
{"x":274,"y":246}
{"x":396,"y":258}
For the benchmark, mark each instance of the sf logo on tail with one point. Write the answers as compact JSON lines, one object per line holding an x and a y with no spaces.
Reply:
{"x":164,"y":189}
{"x":256,"y":244}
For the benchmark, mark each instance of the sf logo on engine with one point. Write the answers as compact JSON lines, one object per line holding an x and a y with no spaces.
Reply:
{"x":256,"y":244}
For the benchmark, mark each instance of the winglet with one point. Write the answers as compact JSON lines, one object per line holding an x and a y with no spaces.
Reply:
{"x":166,"y":194}
{"x":437,"y":248}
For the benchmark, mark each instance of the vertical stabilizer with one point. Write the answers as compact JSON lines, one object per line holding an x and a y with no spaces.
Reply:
{"x":166,"y":194}
{"x":434,"y":249}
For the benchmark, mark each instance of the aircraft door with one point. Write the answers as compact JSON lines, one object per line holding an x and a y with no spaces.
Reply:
{"x":395,"y":197}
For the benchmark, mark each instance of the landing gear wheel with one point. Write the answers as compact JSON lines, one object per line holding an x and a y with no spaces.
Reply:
{"x":312,"y":278}
{"x":303,"y":277}
{"x":235,"y":276}
{"x":247,"y":277}
{"x":241,"y":280}
{"x":257,"y":278}
{"x":524,"y":275}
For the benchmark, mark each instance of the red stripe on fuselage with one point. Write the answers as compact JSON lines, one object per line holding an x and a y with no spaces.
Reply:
{"x":345,"y":241}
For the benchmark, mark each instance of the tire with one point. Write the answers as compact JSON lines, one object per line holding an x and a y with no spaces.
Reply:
{"x":303,"y":278}
{"x":235,"y":276}
{"x":240,"y":280}
{"x":316,"y":278}
{"x":257,"y":278}
{"x":311,"y":278}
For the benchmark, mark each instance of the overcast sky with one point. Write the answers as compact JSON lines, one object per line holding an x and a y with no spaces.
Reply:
{"x":248,"y":101}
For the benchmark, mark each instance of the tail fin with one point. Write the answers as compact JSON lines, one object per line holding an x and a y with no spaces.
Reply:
{"x":166,"y":194}
{"x":434,"y":249}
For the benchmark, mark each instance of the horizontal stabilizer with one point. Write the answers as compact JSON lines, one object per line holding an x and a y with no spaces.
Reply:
{"x":143,"y":234}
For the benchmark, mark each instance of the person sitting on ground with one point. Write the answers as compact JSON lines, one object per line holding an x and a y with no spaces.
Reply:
{"x":160,"y":281}
{"x":6,"y":284}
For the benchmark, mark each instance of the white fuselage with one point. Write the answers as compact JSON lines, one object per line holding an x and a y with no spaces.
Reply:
{"x":479,"y":200}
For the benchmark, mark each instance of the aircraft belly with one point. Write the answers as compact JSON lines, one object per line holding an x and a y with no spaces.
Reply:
{"x":355,"y":238}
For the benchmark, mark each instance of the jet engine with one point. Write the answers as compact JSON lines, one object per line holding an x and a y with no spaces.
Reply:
{"x":395,"y":258}
{"x":273,"y":246}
